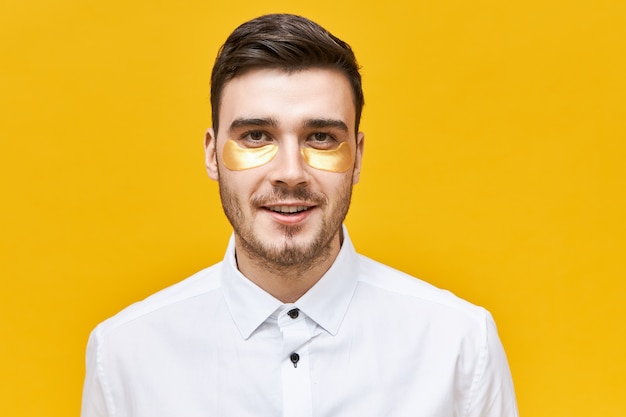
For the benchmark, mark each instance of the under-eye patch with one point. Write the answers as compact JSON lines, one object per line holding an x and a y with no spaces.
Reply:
{"x":237,"y":158}
{"x":333,"y":160}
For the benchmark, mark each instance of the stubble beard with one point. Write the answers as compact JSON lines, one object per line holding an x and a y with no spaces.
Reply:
{"x":289,"y":255}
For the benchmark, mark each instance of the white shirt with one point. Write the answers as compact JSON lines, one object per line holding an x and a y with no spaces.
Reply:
{"x":370,"y":341}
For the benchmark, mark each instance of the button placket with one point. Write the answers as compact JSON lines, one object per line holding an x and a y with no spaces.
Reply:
{"x":296,"y":380}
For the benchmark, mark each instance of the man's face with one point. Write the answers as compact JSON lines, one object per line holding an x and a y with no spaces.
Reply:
{"x":284,"y":211}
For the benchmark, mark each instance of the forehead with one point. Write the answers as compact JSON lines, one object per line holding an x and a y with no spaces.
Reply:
{"x":288,"y":97}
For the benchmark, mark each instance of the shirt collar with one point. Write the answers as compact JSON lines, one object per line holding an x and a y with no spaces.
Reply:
{"x":325,"y":303}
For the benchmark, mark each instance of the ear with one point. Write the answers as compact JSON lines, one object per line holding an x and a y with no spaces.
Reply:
{"x":360,"y":143}
{"x":210,"y":154}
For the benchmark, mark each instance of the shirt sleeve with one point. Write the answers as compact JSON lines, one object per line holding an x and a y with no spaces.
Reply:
{"x":94,"y":399}
{"x":492,"y":389}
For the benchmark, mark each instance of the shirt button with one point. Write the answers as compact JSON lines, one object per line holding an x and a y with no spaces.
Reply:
{"x":294,"y":313}
{"x":294,"y":359}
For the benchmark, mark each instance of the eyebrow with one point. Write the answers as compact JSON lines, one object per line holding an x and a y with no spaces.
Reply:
{"x":272,"y":122}
{"x":253,"y":122}
{"x":325,"y":123}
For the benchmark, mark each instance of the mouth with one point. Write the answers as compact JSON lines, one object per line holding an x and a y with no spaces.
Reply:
{"x":288,"y":210}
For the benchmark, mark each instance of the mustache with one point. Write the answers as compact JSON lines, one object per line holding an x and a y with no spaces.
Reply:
{"x":280,"y":194}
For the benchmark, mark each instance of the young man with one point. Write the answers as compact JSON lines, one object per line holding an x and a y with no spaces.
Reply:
{"x":293,"y":322}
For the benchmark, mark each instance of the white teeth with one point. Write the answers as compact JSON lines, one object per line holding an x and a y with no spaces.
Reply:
{"x":288,"y":209}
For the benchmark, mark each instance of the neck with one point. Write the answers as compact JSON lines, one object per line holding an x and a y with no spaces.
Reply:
{"x":287,"y":283}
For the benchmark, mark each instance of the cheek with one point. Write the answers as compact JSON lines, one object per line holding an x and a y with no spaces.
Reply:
{"x":242,"y":185}
{"x":334,"y":185}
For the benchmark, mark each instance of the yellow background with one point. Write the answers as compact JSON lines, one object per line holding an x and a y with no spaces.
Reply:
{"x":494,"y":167}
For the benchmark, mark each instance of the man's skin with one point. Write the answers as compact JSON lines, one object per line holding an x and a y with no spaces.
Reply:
{"x":286,"y":214}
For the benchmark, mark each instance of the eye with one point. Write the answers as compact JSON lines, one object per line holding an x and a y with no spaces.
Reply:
{"x":255,"y":138}
{"x":255,"y":135}
{"x":322,"y":140}
{"x":320,"y":136}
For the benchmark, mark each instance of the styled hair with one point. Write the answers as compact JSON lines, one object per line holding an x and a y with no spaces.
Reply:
{"x":286,"y":42}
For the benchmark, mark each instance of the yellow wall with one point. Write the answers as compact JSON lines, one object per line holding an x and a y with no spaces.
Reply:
{"x":494,"y":167}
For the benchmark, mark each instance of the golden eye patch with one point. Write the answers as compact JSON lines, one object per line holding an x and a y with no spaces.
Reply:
{"x":237,"y":158}
{"x":334,"y":160}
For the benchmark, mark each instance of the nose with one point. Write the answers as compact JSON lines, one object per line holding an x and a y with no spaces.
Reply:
{"x":288,"y":167}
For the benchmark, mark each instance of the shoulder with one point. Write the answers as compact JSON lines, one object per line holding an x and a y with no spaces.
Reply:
{"x":414,"y":293}
{"x":184,"y":292}
{"x":427,"y":317}
{"x":451,"y":334}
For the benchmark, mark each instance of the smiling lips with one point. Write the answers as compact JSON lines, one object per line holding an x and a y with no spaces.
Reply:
{"x":289,"y":214}
{"x":288,"y":209}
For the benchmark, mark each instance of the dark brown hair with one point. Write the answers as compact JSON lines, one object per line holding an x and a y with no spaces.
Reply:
{"x":288,"y":42}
